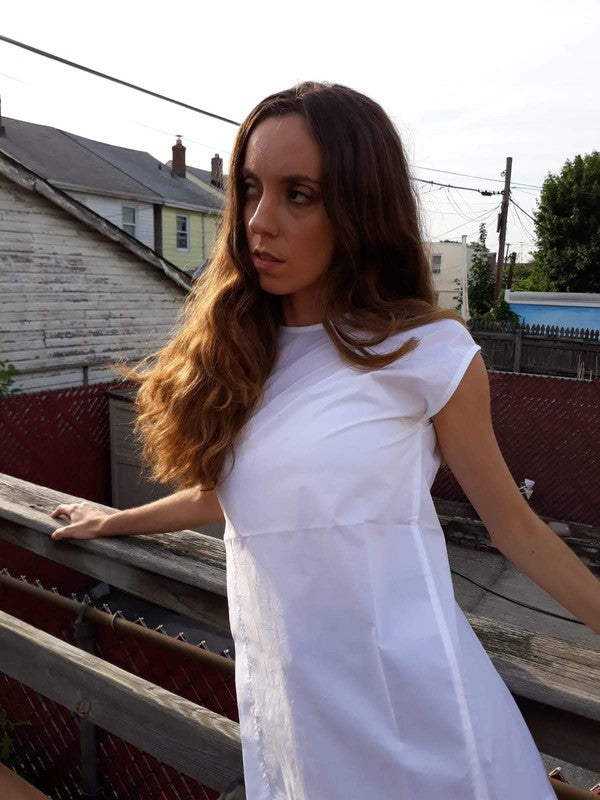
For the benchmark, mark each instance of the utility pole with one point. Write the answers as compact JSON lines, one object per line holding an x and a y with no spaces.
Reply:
{"x":502,"y":220}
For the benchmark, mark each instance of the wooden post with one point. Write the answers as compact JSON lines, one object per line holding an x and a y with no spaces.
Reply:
{"x":502,"y":228}
{"x":518,"y":350}
{"x":188,"y":737}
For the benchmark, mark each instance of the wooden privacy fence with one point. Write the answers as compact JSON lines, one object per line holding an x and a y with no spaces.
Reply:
{"x":539,"y":349}
{"x":554,"y":683}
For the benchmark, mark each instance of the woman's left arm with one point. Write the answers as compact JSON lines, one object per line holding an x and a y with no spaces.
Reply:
{"x":468,"y":445}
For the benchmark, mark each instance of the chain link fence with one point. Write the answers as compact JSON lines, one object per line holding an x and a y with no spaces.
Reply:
{"x":44,"y":738}
{"x":548,"y":430}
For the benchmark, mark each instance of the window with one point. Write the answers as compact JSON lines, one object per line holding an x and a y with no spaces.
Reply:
{"x":436,"y":264}
{"x":183,"y":232}
{"x":129,"y":214}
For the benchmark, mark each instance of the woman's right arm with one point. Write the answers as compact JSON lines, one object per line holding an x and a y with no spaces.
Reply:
{"x":188,"y":508}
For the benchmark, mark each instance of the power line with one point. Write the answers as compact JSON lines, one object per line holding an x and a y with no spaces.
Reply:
{"x":481,"y":218}
{"x":522,"y":209}
{"x":476,"y":177}
{"x":98,"y":74}
{"x":485,"y":192}
{"x":517,"y":216}
{"x":211,"y":114}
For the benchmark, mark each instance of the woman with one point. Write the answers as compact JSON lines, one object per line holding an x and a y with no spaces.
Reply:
{"x":310,"y":392}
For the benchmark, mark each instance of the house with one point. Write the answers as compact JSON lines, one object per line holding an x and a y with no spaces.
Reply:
{"x":449,"y":262}
{"x":157,"y":205}
{"x":78,"y":292}
{"x":561,"y":309}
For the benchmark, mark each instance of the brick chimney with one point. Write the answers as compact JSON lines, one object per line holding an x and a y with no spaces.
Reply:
{"x":216,"y":171}
{"x":178,"y":163}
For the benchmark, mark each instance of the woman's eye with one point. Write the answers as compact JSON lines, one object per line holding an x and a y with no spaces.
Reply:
{"x":296,"y":196}
{"x":250,"y":190}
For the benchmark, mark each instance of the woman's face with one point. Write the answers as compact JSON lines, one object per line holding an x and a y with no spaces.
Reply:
{"x":290,"y":236}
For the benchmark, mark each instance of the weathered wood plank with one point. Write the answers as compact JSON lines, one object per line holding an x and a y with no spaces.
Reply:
{"x":461,"y":526}
{"x":188,"y":737}
{"x":186,"y":556}
{"x":542,"y":668}
{"x":192,"y":601}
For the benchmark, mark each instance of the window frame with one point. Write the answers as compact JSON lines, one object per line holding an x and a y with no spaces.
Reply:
{"x":435,"y":263}
{"x":186,"y":217}
{"x":126,"y":225}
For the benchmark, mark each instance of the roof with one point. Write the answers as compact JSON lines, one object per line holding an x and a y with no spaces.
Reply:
{"x":152,"y":174}
{"x":57,"y":158}
{"x":13,"y":170}
{"x":73,"y":162}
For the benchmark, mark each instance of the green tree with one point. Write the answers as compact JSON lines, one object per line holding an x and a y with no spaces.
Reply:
{"x":530,"y":278}
{"x":567,"y":224}
{"x":481,"y":287}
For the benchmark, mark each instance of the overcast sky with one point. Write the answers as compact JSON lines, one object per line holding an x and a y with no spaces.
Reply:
{"x":467,"y":83}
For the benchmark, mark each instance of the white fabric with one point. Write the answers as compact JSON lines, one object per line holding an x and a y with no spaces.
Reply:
{"x":357,"y":674}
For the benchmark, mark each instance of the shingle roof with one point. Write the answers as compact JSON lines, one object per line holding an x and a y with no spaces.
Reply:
{"x":149,"y":172}
{"x":59,"y":159}
{"x":74,"y":162}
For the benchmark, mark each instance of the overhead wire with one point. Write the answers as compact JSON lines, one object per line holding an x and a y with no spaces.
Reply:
{"x":521,"y":209}
{"x":480,"y":219}
{"x":476,"y":177}
{"x":121,"y":82}
{"x":456,"y":208}
{"x":485,"y":192}
{"x":517,"y":216}
{"x":189,"y":106}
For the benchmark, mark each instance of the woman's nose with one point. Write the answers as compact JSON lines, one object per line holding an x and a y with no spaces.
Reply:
{"x":263,"y":220}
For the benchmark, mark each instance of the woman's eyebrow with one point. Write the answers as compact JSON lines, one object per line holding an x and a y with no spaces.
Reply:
{"x":300,"y":179}
{"x":296,"y":178}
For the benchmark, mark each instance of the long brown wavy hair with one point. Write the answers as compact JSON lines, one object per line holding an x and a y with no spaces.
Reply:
{"x":197,"y":393}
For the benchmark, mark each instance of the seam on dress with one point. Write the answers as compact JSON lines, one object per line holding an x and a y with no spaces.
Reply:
{"x":479,"y":782}
{"x":259,"y":749}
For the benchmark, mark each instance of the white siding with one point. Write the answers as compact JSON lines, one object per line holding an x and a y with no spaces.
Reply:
{"x":453,"y":266}
{"x":111,"y":208}
{"x":70,"y":298}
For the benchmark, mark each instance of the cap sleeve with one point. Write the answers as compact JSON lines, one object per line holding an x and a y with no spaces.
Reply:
{"x":438,"y":363}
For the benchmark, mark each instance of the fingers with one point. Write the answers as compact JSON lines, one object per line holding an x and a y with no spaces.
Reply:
{"x":63,"y":510}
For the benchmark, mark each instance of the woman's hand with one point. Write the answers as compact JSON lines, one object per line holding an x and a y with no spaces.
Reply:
{"x":86,"y":521}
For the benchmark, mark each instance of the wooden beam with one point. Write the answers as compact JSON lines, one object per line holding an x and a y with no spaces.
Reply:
{"x":461,"y":526}
{"x":188,"y":737}
{"x":554,"y":682}
{"x":210,"y":609}
{"x":565,"y":736}
{"x":186,"y":556}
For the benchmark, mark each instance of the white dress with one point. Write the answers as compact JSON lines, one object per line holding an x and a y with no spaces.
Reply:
{"x":357,"y":674}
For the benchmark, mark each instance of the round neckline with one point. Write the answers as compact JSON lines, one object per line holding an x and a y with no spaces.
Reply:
{"x":302,"y":328}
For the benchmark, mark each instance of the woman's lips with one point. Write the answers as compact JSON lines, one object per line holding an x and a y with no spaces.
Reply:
{"x":264,"y":261}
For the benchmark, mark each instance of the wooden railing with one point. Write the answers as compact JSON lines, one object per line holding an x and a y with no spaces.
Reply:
{"x":555,"y":683}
